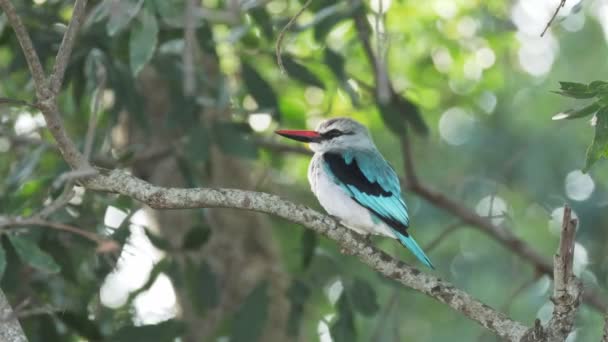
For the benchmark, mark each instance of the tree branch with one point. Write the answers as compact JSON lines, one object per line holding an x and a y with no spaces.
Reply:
{"x":31,"y":56}
{"x":47,"y":99}
{"x":65,"y":49}
{"x":11,"y":330}
{"x":119,"y":182}
{"x":504,"y":235}
{"x":560,"y":6}
{"x":170,"y":198}
{"x":103,"y":244}
{"x":567,"y":288}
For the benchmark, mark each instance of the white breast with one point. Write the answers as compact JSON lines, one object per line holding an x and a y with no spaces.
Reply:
{"x":339,"y":204}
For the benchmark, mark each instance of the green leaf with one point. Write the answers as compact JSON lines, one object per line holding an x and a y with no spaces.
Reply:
{"x":196,"y":237}
{"x":25,"y":167}
{"x":121,"y":81}
{"x":121,"y":13}
{"x":336,"y":64}
{"x":298,"y":293}
{"x":197,"y":146}
{"x":234,"y":138}
{"x":157,"y":241}
{"x":310,"y":240}
{"x":158,"y":268}
{"x":251,"y":316}
{"x":399,"y":111}
{"x":171,"y":12}
{"x":300,"y":73}
{"x":98,"y":13}
{"x":31,"y":254}
{"x":261,"y":17}
{"x":260,"y":90}
{"x":327,"y":17}
{"x":203,"y":286}
{"x":2,"y":260}
{"x":577,"y":90}
{"x":343,"y":330}
{"x":600,"y":87}
{"x":577,"y":113}
{"x":411,"y":112}
{"x":142,"y":41}
{"x":166,"y":331}
{"x":81,"y":324}
{"x":599,"y":146}
{"x":363,"y":297}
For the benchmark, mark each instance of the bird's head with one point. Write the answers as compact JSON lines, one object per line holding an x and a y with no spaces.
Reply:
{"x":333,"y":135}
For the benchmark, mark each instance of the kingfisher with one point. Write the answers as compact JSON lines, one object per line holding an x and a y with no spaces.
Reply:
{"x":354,"y":183}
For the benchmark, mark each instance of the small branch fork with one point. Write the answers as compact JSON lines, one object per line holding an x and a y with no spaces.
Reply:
{"x":567,"y":289}
{"x":504,"y":235}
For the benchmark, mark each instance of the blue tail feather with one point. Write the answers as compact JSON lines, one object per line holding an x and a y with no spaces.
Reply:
{"x":411,"y":244}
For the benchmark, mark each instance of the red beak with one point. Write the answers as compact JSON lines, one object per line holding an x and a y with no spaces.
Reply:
{"x":300,"y":135}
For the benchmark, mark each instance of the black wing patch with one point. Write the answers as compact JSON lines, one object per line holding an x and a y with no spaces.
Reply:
{"x":396,"y":225}
{"x":350,"y":174}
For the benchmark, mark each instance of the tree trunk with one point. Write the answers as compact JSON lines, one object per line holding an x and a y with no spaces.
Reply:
{"x":241,"y":251}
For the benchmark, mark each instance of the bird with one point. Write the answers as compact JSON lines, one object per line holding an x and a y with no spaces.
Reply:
{"x":354,"y":183}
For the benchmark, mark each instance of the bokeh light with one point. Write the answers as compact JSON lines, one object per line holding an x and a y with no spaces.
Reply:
{"x":456,"y":126}
{"x":579,"y":186}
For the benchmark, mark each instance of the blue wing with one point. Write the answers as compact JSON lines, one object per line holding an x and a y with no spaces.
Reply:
{"x":372,"y":182}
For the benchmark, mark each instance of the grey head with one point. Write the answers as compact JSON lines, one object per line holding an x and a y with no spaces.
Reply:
{"x":341,"y":133}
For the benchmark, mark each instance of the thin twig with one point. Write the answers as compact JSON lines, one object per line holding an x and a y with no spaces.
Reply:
{"x":15,"y":102}
{"x":31,"y":56}
{"x":46,"y":100}
{"x":189,"y":47}
{"x":383,"y":86}
{"x":67,"y":44}
{"x":25,"y":309}
{"x":74,"y":175}
{"x":281,"y":37}
{"x":67,"y":194}
{"x":102,"y":243}
{"x":90,"y":137}
{"x":504,"y":235}
{"x":61,"y":201}
{"x":560,"y":6}
{"x":443,"y":235}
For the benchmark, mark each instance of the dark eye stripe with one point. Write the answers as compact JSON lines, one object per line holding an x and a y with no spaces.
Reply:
{"x":332,"y":134}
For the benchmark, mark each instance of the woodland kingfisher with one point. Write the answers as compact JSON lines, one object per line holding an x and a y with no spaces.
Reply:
{"x":354,"y":183}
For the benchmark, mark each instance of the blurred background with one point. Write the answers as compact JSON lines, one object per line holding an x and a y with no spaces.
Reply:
{"x":187,"y":93}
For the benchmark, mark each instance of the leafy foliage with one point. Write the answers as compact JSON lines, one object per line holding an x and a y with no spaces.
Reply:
{"x":597,"y":90}
{"x":463,"y":58}
{"x":251,"y":316}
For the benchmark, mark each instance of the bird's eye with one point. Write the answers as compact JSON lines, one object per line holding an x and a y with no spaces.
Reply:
{"x":332,"y":133}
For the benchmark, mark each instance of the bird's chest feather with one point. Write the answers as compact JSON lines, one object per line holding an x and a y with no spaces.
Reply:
{"x":335,"y":200}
